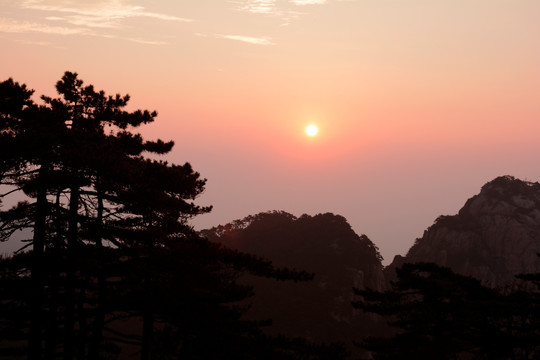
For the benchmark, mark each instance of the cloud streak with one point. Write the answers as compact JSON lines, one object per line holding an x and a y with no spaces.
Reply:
{"x":283,"y":10}
{"x":102,"y":18}
{"x":14,"y":26}
{"x":95,"y":14}
{"x":248,"y":39}
{"x":260,"y":6}
{"x":308,"y":2}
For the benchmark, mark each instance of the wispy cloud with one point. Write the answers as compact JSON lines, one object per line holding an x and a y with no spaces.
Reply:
{"x":280,"y":9}
{"x":248,"y":39}
{"x":268,"y":8}
{"x":308,"y":2}
{"x":38,"y":43}
{"x":103,"y":18}
{"x":146,"y":42}
{"x":15,"y":26}
{"x":94,"y":14}
{"x":260,"y":6}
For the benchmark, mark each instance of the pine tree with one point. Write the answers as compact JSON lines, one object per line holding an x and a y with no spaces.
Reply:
{"x":112,"y":246}
{"x":438,"y":314}
{"x":57,"y":151}
{"x":28,"y":142}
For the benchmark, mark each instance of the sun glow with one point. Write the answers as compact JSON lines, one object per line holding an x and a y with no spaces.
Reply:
{"x":312,"y":130}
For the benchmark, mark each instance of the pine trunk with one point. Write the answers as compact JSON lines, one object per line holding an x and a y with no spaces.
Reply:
{"x":36,"y":302}
{"x":99,"y":321}
{"x":148,"y":322}
{"x":69,"y":324}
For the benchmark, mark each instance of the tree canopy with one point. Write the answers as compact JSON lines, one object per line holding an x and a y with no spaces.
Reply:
{"x":437,"y":314}
{"x":113,"y":268}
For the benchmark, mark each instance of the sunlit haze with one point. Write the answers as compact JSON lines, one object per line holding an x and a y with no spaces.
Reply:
{"x":418,"y":103}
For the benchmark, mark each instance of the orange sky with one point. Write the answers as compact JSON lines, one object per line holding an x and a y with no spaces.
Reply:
{"x":419,"y":103}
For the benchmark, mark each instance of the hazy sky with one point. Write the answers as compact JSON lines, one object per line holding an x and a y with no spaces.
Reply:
{"x":418,"y":103}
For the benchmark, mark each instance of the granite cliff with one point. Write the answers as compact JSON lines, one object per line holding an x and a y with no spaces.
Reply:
{"x":495,"y":236}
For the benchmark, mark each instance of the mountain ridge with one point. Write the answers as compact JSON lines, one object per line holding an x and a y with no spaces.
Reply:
{"x":325,"y":245}
{"x":494,"y":236}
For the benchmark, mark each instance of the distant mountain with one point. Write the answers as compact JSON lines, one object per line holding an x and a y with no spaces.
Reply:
{"x":325,"y":245}
{"x":495,"y":236}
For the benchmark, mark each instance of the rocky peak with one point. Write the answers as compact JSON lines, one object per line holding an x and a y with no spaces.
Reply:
{"x":495,"y":236}
{"x":505,"y":196}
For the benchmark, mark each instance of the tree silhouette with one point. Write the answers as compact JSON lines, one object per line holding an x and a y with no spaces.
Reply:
{"x":113,"y":262}
{"x":28,"y":140}
{"x":53,"y":152}
{"x":438,"y":314}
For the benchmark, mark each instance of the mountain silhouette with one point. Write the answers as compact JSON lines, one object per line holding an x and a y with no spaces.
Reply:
{"x":495,"y":236}
{"x":325,"y":245}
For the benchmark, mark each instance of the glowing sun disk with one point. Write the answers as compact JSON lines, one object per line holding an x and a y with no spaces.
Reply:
{"x":312,"y":130}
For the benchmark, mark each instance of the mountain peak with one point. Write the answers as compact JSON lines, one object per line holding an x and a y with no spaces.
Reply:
{"x":505,"y":196}
{"x":323,"y":244}
{"x":507,"y":186}
{"x":495,"y":236}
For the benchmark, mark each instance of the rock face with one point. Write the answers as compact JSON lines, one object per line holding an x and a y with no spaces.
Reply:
{"x":325,"y":245}
{"x":495,"y":236}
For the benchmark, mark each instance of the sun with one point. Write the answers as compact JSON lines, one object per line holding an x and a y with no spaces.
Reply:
{"x":312,"y":130}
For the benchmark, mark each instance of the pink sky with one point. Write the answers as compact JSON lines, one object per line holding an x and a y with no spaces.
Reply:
{"x":419,"y":103}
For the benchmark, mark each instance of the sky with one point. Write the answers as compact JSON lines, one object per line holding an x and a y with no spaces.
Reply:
{"x":418,"y":102}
